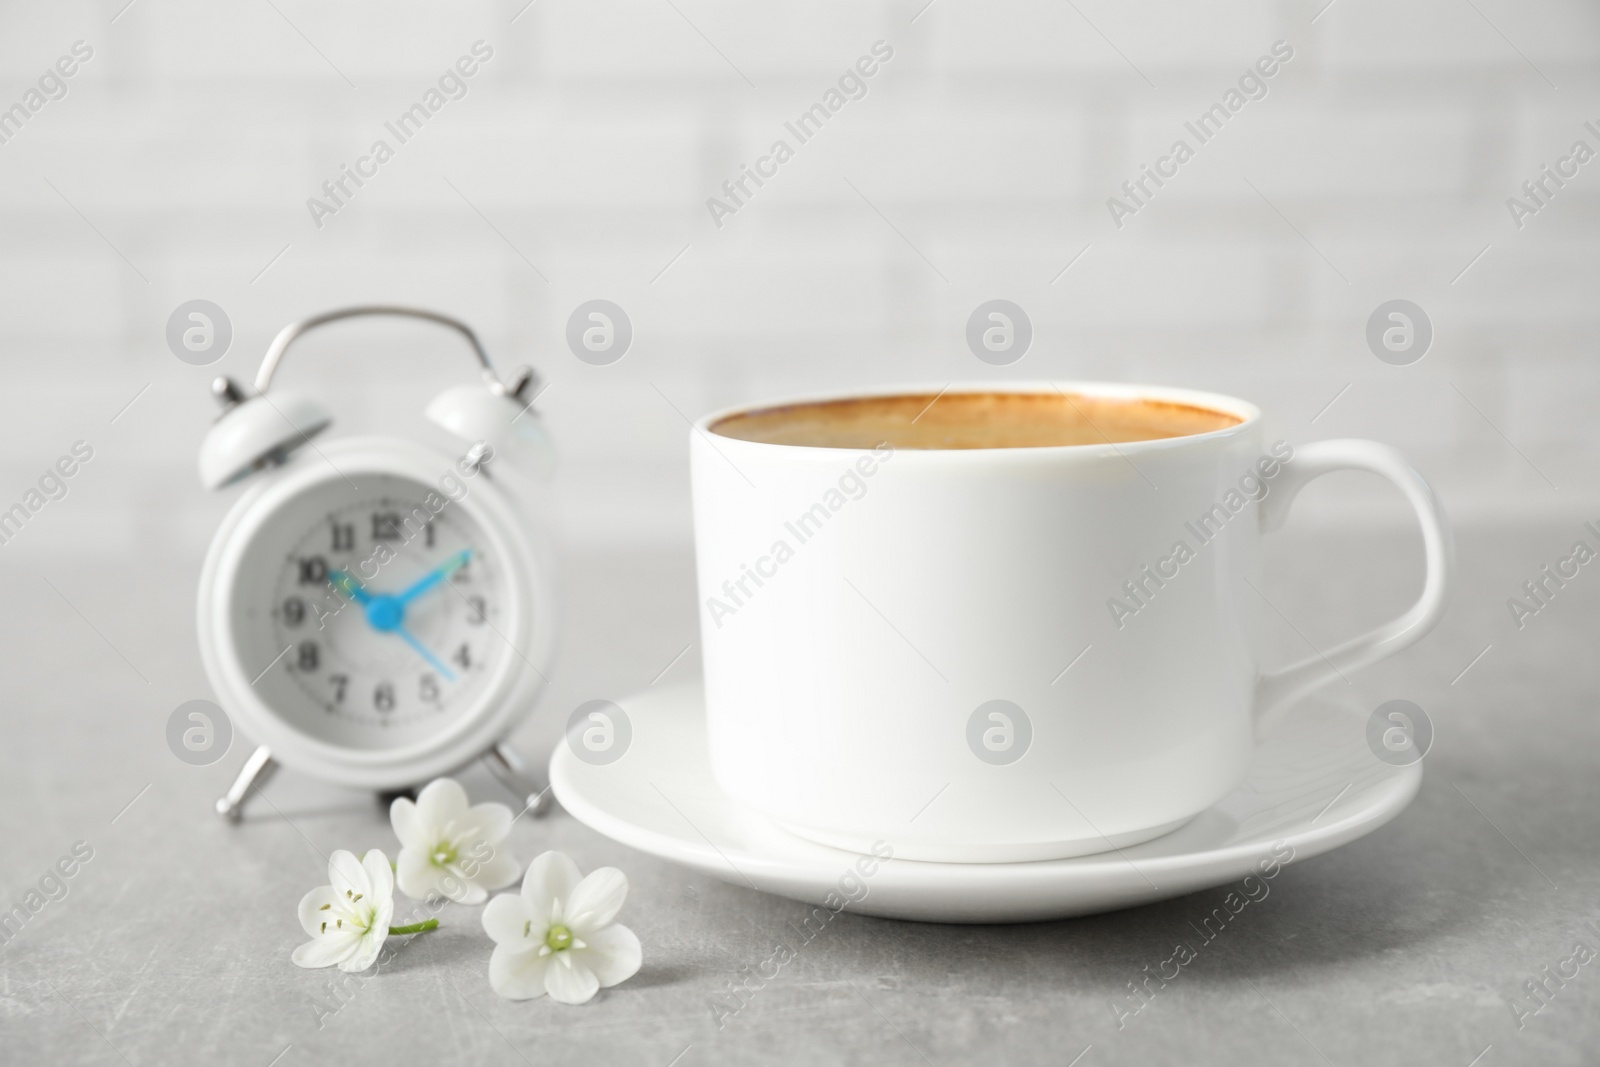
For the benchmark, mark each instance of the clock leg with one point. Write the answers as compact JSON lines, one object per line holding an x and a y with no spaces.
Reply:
{"x":515,"y":774}
{"x":255,"y":771}
{"x":387,"y":797}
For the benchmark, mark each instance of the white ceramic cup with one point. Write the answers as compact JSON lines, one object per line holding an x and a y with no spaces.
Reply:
{"x":926,"y":647}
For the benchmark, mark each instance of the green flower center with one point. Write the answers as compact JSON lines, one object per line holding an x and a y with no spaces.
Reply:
{"x":558,"y":938}
{"x":444,"y":854}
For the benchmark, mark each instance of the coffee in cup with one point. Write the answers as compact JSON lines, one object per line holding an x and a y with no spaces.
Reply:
{"x":948,"y":420}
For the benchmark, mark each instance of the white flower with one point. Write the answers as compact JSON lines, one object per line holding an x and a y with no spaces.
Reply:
{"x":348,"y":920}
{"x":449,"y":849}
{"x":557,"y":935}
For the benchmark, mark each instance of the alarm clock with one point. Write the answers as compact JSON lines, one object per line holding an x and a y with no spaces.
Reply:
{"x":377,"y":611}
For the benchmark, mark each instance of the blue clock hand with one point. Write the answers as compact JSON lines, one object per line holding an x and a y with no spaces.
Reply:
{"x":387,"y":614}
{"x":422,"y":651}
{"x":345,"y":584}
{"x":435,"y":576}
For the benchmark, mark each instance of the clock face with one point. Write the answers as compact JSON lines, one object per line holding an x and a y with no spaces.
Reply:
{"x":374,"y":610}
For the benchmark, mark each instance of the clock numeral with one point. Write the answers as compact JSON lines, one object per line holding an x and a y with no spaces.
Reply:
{"x":386,"y":526}
{"x":340,"y":683}
{"x":307,"y":657}
{"x":313,"y":570}
{"x":344,"y":536}
{"x":477,"y":611}
{"x":294,"y":612}
{"x":428,"y":688}
{"x":427,"y":535}
{"x":383,"y":697}
{"x":463,"y":656}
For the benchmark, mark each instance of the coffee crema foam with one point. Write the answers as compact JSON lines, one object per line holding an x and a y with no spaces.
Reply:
{"x":972,"y":420}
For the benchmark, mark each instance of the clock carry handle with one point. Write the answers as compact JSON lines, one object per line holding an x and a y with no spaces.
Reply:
{"x":256,"y":432}
{"x":520,"y":383}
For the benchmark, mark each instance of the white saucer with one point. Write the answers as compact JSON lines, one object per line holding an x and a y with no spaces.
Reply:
{"x":1314,"y":786}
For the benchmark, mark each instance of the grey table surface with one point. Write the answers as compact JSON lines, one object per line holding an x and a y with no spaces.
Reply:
{"x":172,"y":943}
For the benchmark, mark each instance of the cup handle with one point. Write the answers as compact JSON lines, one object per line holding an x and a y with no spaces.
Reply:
{"x":1278,"y":688}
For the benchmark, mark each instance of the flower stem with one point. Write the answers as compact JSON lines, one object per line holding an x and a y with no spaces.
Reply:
{"x":416,"y":928}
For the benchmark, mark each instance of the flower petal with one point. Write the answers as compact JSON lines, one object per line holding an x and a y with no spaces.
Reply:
{"x":613,"y":954}
{"x":347,"y":875}
{"x":551,"y":876}
{"x":596,"y":900}
{"x":489,"y":823}
{"x":517,"y":975}
{"x":418,"y":875}
{"x":367,"y":948}
{"x":312,"y":915}
{"x":327,"y":949}
{"x":407,"y":824}
{"x":461,"y":889}
{"x":379,"y":873}
{"x":569,"y":980}
{"x":505,"y":919}
{"x":499,"y":872}
{"x":441,"y":800}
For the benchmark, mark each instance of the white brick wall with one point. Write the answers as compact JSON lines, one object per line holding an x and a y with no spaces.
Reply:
{"x":991,"y":141}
